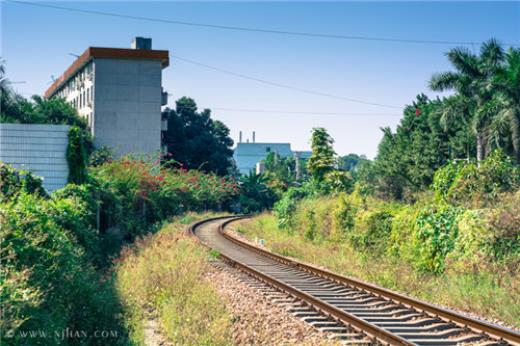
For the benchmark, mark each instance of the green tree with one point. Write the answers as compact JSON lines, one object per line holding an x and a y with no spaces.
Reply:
{"x":425,"y":139}
{"x":507,"y":100}
{"x":323,"y":158}
{"x":3,"y":79}
{"x":196,"y":141}
{"x":472,"y":78}
{"x":350,"y":162}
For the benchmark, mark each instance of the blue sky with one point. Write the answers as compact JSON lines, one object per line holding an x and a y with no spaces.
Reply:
{"x":36,"y":42}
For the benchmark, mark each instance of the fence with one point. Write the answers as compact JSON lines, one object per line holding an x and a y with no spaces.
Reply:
{"x":37,"y":148}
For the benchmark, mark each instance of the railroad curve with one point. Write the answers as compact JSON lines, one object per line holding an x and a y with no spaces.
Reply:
{"x":356,"y":311}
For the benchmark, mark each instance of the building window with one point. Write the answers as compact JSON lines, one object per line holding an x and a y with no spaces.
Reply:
{"x":268,"y":149}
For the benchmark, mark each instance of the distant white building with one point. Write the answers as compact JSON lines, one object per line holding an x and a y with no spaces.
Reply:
{"x":248,"y":154}
{"x":119,"y":92}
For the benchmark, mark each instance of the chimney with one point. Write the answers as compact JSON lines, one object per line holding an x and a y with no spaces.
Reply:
{"x":254,"y":137}
{"x":240,"y":137}
{"x":142,"y":43}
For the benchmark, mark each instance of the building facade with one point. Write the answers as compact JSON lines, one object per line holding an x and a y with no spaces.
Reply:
{"x":248,"y":155}
{"x":119,"y":92}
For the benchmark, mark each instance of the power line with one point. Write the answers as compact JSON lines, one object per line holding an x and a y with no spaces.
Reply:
{"x":274,"y":111}
{"x":284,"y":86}
{"x":256,"y":30}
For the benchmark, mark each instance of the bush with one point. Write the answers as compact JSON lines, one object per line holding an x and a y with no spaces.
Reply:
{"x":135,"y":194}
{"x":310,"y":231}
{"x":14,"y":181}
{"x":49,"y":244}
{"x":434,"y":236}
{"x":73,"y":215}
{"x":444,"y":178}
{"x":286,"y":207}
{"x":372,"y":230}
{"x":466,"y":184}
{"x":60,"y":288}
{"x":471,"y":248}
{"x":504,"y":220}
{"x":342,"y":218}
{"x":403,"y":222}
{"x":338,"y":181}
{"x":100,"y":156}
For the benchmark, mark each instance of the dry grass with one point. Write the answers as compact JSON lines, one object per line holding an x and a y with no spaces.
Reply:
{"x":162,"y":277}
{"x":493,"y":293}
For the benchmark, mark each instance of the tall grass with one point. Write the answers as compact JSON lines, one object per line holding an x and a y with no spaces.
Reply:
{"x":491,"y":292}
{"x":162,"y":277}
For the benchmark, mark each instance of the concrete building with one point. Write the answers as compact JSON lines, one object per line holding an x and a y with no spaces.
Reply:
{"x":248,"y":155}
{"x":119,"y":92}
{"x":40,"y":149}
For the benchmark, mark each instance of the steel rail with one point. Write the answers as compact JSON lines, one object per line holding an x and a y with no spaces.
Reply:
{"x":367,"y":328}
{"x":498,"y":332}
{"x":480,"y":326}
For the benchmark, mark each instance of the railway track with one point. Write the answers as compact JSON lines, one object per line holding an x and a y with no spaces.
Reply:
{"x":354,"y":311}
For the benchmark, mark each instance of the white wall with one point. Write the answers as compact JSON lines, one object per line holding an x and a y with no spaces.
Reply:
{"x":127,"y":105}
{"x":246,"y":155}
{"x":37,"y":148}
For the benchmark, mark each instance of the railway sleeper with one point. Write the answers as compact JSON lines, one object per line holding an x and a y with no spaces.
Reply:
{"x":389,"y":323}
{"x":428,"y":328}
{"x":404,"y":318}
{"x":447,"y":342}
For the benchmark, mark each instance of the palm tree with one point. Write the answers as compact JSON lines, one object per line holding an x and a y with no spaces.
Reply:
{"x":255,"y":194}
{"x":472,"y":79}
{"x":507,"y":85}
{"x":3,"y":79}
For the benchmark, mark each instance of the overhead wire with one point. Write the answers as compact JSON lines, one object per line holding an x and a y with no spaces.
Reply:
{"x":252,"y":29}
{"x":281,"y":85}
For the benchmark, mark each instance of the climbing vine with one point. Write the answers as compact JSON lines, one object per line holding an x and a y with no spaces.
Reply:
{"x":78,"y":154}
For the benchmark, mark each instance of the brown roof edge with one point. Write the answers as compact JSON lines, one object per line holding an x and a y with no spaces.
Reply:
{"x":107,"y":53}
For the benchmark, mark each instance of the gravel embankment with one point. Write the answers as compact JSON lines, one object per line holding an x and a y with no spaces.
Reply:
{"x":257,"y":320}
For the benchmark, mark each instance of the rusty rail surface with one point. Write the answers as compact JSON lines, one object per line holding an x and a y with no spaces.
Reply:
{"x":501,"y":334}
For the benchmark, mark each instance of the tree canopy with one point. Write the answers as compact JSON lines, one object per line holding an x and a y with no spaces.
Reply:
{"x":15,"y":108}
{"x":482,"y":115}
{"x":196,"y":141}
{"x":323,"y":158}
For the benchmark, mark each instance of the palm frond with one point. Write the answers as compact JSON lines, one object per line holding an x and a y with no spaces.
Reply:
{"x":444,"y":81}
{"x":497,"y":130}
{"x":491,"y":54}
{"x":464,"y":61}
